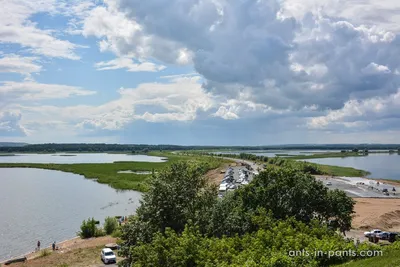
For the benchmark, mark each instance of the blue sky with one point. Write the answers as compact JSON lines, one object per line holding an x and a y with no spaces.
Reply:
{"x":211,"y":72}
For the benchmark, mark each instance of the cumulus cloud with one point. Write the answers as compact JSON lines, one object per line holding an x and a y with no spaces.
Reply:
{"x":301,"y":65}
{"x":14,"y":92}
{"x":177,"y":99}
{"x":17,"y":28}
{"x":10,"y":124}
{"x":369,"y":113}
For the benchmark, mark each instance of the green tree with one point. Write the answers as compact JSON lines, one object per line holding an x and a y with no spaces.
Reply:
{"x":340,"y":208}
{"x":176,"y":195}
{"x":88,"y":228}
{"x":110,"y":225}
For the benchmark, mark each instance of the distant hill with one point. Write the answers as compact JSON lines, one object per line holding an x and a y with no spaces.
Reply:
{"x":12,"y":144}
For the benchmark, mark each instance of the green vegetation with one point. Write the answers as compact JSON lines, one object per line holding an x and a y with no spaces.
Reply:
{"x":110,"y":225}
{"x":390,"y":258}
{"x":88,"y":228}
{"x":44,"y":253}
{"x":181,"y":222}
{"x":312,"y":168}
{"x":342,"y":171}
{"x":107,"y":173}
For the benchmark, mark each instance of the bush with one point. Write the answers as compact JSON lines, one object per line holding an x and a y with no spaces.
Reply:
{"x":117,"y":233}
{"x":110,"y":225}
{"x":99,"y":232}
{"x":88,"y":228}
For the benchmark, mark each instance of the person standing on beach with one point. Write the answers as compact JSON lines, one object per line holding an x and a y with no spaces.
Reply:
{"x":38,"y":245}
{"x":54,"y":245}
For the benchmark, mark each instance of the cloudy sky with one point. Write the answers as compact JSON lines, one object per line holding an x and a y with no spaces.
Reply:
{"x":212,"y":72}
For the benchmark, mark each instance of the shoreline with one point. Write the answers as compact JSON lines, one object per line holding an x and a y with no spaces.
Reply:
{"x":33,"y":254}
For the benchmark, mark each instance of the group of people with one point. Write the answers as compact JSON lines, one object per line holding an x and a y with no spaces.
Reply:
{"x":53,"y":246}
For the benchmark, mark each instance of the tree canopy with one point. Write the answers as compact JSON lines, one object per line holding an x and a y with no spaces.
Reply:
{"x":181,"y":222}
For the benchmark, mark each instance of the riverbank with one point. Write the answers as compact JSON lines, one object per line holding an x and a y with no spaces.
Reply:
{"x":110,"y":173}
{"x":72,"y":252}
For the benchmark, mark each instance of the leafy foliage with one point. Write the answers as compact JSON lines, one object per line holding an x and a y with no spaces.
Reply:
{"x":274,"y":245}
{"x":181,"y":222}
{"x":88,"y":228}
{"x":110,"y":225}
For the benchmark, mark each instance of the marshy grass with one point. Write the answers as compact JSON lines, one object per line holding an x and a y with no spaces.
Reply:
{"x":107,"y":173}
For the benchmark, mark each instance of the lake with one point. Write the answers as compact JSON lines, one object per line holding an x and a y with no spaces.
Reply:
{"x":50,"y":206}
{"x":379,"y":165}
{"x":272,"y":153}
{"x":63,"y":158}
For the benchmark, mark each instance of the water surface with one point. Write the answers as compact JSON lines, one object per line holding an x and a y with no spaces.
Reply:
{"x":61,"y":158}
{"x":50,"y":206}
{"x":379,"y":165}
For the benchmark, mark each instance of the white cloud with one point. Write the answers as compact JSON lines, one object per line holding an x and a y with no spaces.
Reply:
{"x":178,"y":100}
{"x":10,"y":124}
{"x":355,"y":113}
{"x":17,"y":64}
{"x":13,"y":92}
{"x":374,"y":68}
{"x":17,"y":28}
{"x":129,"y":65}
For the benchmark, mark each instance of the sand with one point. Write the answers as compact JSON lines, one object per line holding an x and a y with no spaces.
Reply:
{"x":377,"y":213}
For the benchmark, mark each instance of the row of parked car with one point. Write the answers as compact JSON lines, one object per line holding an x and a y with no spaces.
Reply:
{"x":376,"y":234}
{"x":229,"y":182}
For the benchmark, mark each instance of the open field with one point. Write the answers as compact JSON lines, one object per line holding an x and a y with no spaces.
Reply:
{"x":107,"y":173}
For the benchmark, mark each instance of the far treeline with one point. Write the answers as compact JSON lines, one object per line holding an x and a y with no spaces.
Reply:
{"x":143,"y":148}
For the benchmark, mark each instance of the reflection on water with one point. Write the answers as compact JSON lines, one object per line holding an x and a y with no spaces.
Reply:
{"x":51,"y":205}
{"x":77,"y":158}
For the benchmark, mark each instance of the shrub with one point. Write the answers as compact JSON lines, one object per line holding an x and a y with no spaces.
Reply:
{"x":117,"y":233}
{"x":110,"y":225}
{"x":88,"y":228}
{"x":99,"y":232}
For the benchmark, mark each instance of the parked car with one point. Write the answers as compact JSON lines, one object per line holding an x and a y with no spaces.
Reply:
{"x":372,"y":233}
{"x":383,"y":235}
{"x":392,"y":237}
{"x":108,"y":256}
{"x":385,"y":190}
{"x":328,"y":183}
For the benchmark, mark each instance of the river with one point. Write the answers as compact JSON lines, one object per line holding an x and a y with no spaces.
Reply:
{"x":50,"y":206}
{"x":381,"y":166}
{"x":61,"y":158}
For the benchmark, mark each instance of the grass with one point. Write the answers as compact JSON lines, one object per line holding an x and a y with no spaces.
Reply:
{"x":388,"y":259}
{"x":107,"y":173}
{"x":342,"y":171}
{"x":78,"y":257}
{"x":44,"y":253}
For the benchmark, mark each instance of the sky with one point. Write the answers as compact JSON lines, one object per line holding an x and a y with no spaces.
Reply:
{"x":200,"y":72}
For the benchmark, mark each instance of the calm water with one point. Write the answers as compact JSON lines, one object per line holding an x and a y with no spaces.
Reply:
{"x":77,"y":158}
{"x":379,"y":165}
{"x":51,"y":205}
{"x":272,"y":153}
